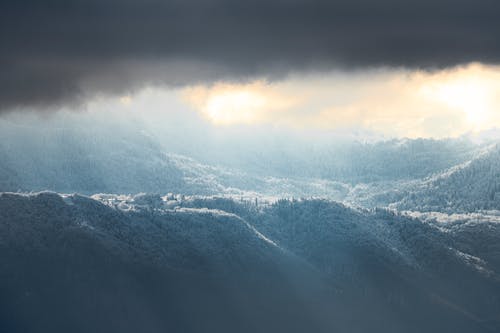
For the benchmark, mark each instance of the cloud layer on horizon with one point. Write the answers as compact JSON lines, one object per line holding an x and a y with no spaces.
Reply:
{"x":56,"y":52}
{"x":395,"y":103}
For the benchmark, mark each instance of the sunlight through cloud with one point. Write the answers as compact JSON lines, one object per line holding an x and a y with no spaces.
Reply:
{"x":399,"y":103}
{"x":226,"y":104}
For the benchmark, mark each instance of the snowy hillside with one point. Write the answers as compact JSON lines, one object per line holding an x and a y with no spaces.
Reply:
{"x":67,"y":260}
{"x":82,"y":159}
{"x":187,"y":263}
{"x":468,"y":187}
{"x":91,"y":154}
{"x":220,"y":241}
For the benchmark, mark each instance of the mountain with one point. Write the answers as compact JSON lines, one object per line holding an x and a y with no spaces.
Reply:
{"x":97,"y":153}
{"x":76,"y":264}
{"x":377,"y":259}
{"x":469,"y":187}
{"x":195,"y":264}
{"x":79,"y":157}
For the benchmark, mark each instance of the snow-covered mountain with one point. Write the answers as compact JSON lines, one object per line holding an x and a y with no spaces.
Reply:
{"x":65,"y":155}
{"x":233,"y":247}
{"x":93,"y":154}
{"x":82,"y":158}
{"x":189,"y":264}
{"x":71,"y":263}
{"x":468,"y":187}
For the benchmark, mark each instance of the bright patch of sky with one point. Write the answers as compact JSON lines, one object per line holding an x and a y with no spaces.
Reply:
{"x":394,"y":103}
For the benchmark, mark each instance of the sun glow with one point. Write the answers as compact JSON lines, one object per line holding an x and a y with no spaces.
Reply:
{"x":470,"y":97}
{"x":445,"y":103}
{"x":471,"y":92}
{"x":226,"y":104}
{"x":234,"y":106}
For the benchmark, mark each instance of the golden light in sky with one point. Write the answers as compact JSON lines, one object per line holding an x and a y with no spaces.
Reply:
{"x":474,"y":91}
{"x":226,"y":104}
{"x":469,"y":97}
{"x":125,"y":100}
{"x":397,"y":103}
{"x":234,"y":106}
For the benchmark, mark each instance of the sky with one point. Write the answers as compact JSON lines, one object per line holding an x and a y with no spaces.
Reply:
{"x":401,"y":68}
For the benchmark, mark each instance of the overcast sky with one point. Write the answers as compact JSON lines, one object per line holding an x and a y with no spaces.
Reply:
{"x":396,"y":66}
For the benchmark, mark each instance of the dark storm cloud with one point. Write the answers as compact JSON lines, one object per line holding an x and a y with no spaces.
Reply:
{"x":58,"y":51}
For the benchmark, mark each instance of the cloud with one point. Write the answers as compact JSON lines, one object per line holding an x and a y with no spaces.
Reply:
{"x":249,"y":103}
{"x":55,"y":52}
{"x":401,"y":103}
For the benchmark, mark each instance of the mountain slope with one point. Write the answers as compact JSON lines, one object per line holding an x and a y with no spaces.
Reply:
{"x":469,"y":187}
{"x":95,"y":153}
{"x":75,"y":264}
{"x":82,"y":158}
{"x":150,"y":263}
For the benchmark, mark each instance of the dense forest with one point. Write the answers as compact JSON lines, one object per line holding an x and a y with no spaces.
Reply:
{"x":187,"y":263}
